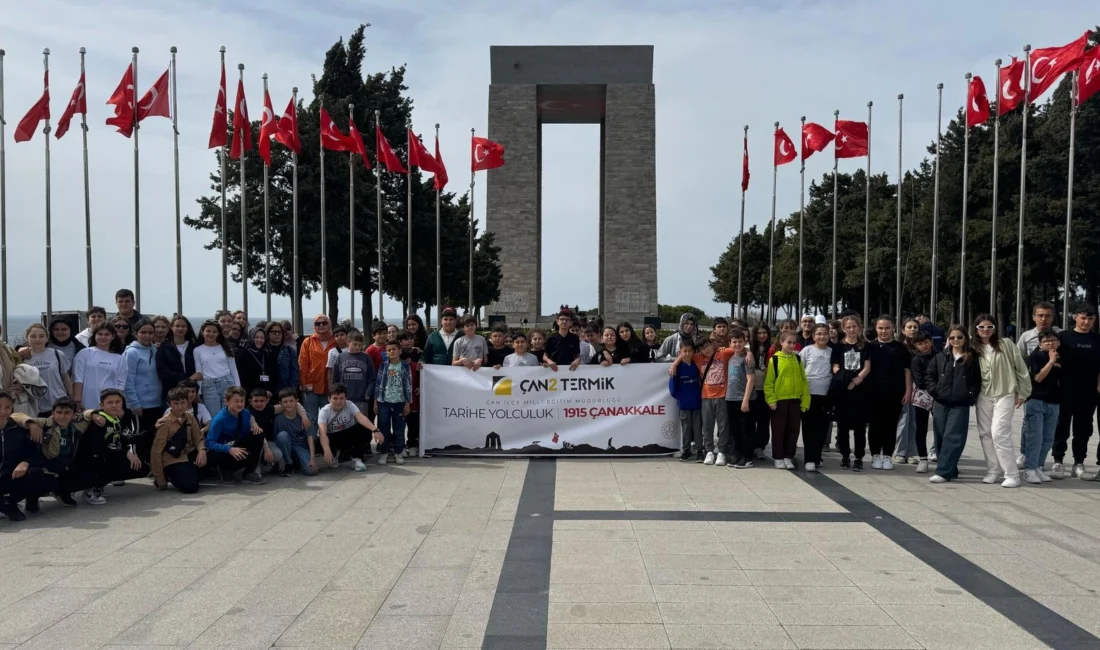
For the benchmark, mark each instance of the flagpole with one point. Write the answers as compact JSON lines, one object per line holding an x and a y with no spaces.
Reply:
{"x":1069,"y":197}
{"x":867,"y":228}
{"x":409,"y":224}
{"x":137,"y":201}
{"x":49,"y":247}
{"x":933,"y":300}
{"x":470,"y":282}
{"x":324,"y":282}
{"x":438,"y":240}
{"x":741,"y":242}
{"x":836,"y":163}
{"x":378,"y":216}
{"x":996,"y":108}
{"x":244,"y":219}
{"x":267,"y":224}
{"x":351,"y":222}
{"x":801,"y":206}
{"x":1023,"y":193}
{"x":966,"y":188}
{"x":771,"y":246}
{"x":3,"y":211}
{"x":296,"y":311}
{"x":897,"y":262}
{"x":225,"y":223}
{"x":87,"y":192}
{"x":176,"y":169}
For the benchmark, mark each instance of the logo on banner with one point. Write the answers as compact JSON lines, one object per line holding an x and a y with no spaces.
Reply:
{"x":502,"y":385}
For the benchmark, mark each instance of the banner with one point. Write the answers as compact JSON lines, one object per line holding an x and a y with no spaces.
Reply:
{"x":591,"y":411}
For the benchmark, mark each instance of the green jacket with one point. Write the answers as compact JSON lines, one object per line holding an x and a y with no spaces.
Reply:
{"x":436,"y":351}
{"x":790,"y":381}
{"x":1004,"y":372}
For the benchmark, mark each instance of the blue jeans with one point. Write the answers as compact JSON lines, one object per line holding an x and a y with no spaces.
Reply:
{"x":313,"y":403}
{"x":294,"y":449}
{"x":213,"y":393}
{"x":950,"y":423}
{"x":391,"y":422}
{"x":1040,"y":423}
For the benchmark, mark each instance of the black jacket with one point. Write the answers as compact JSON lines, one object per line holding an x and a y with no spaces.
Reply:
{"x":256,"y":364}
{"x":172,"y":367}
{"x":919,"y":366}
{"x":951,"y":382}
{"x":16,"y":447}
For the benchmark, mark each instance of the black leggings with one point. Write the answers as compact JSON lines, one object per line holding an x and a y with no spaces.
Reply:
{"x":922,"y":432}
{"x":885,"y":409}
{"x":760,"y":421}
{"x":815,"y":426}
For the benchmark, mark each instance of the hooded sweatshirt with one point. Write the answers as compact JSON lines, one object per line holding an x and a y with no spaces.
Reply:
{"x":789,"y":382}
{"x":69,"y":347}
{"x":671,"y":345}
{"x":143,"y":389}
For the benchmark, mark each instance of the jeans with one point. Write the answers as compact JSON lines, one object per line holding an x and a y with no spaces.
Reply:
{"x":213,"y":393}
{"x":294,"y":449}
{"x":995,"y":432}
{"x":949,"y":425}
{"x":714,"y":414}
{"x":313,"y":403}
{"x":906,"y":444}
{"x":391,"y":422}
{"x":691,"y":430}
{"x":1041,"y":422}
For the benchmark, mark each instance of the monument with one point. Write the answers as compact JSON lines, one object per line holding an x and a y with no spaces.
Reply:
{"x":607,"y":85}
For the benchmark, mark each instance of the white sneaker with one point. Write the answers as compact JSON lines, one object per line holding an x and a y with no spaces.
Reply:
{"x":897,"y":459}
{"x":1058,"y":471}
{"x":932,"y":456}
{"x":382,"y":459}
{"x":788,"y":463}
{"x":94,"y":497}
{"x":913,"y":460}
{"x":1078,"y":470}
{"x":710,"y":458}
{"x":887,"y":463}
{"x":811,"y":467}
{"x":780,"y":465}
{"x":1020,"y":461}
{"x":990,"y":479}
{"x":1032,"y":476}
{"x":399,"y":459}
{"x":1011,"y":482}
{"x":922,"y":467}
{"x":720,"y":461}
{"x":1042,"y":475}
{"x":876,"y":462}
{"x":358,"y":465}
{"x":936,"y":478}
{"x":405,"y":452}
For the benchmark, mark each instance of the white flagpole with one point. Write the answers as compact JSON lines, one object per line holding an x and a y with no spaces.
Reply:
{"x":324,"y":275}
{"x":438,"y":252}
{"x":225,"y":224}
{"x":267,"y":223}
{"x":87,"y":190}
{"x":933,"y":301}
{"x":836,"y":116}
{"x":470,"y":282}
{"x":378,"y":216}
{"x":351,"y":223}
{"x":176,"y":169}
{"x":137,"y":202}
{"x":867,"y":229}
{"x":244,"y":218}
{"x":996,"y":108}
{"x":1069,"y":198}
{"x":3,"y":211}
{"x":741,"y":243}
{"x":296,"y":311}
{"x":801,"y":206}
{"x":966,"y":188}
{"x":49,"y":246}
{"x":771,"y":246}
{"x":901,"y":178}
{"x":411,"y":306}
{"x":1023,"y":193}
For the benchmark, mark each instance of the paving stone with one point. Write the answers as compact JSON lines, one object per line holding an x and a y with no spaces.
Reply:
{"x":770,"y":637}
{"x":180,"y":620}
{"x":717,"y":613}
{"x":334,"y":618}
{"x":564,"y":635}
{"x":601,"y":593}
{"x":40,"y":610}
{"x":812,"y":595}
{"x":243,"y":631}
{"x":604,"y":613}
{"x":851,"y":637}
{"x":405,"y":633}
{"x":425,"y":592}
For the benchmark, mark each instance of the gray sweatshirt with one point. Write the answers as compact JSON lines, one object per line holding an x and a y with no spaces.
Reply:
{"x":671,"y":345}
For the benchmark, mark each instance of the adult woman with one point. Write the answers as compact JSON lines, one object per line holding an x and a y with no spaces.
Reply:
{"x":214,"y":366}
{"x":954,"y":380}
{"x":257,"y":365}
{"x":144,"y":396}
{"x":850,"y":367}
{"x":890,"y":387}
{"x":286,"y":356}
{"x":652,"y":344}
{"x":161,"y":327}
{"x":53,"y":367}
{"x":1006,"y":384}
{"x":761,"y":413}
{"x":415,"y":325}
{"x":98,"y":367}
{"x":121,"y":328}
{"x":176,"y":355}
{"x":636,"y":350}
{"x":908,"y":329}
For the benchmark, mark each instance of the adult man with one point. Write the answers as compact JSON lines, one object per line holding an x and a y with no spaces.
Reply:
{"x":1080,"y":355}
{"x":806,"y":331}
{"x":313,"y":365}
{"x":1043,"y":316}
{"x":563,"y":347}
{"x":439,"y":350}
{"x":124,"y":300}
{"x":670,"y":347}
{"x":934,"y":331}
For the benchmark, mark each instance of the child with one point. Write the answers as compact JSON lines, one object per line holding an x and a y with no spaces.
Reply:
{"x":816,"y":359}
{"x":393,"y":395}
{"x":21,"y":475}
{"x":108,"y":449}
{"x":922,"y":358}
{"x":179,"y":449}
{"x":537,"y":339}
{"x":377,"y":348}
{"x":294,"y":435}
{"x":340,"y":335}
{"x":712,"y":362}
{"x":411,"y":356}
{"x":341,"y":427}
{"x":58,"y":439}
{"x":214,"y":362}
{"x":471,"y":350}
{"x":497,"y":350}
{"x":263,"y":417}
{"x":788,"y":394}
{"x":231,"y":446}
{"x":740,"y":387}
{"x":1042,"y":408}
{"x":521,"y":357}
{"x":684,"y":384}
{"x":197,"y":408}
{"x":355,"y":369}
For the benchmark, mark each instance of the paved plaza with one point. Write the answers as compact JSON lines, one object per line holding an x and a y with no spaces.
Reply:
{"x":517,"y":554}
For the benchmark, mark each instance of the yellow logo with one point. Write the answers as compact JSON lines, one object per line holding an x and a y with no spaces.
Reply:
{"x":502,"y":385}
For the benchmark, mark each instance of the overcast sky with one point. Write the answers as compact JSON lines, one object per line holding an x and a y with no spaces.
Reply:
{"x":718,"y":66}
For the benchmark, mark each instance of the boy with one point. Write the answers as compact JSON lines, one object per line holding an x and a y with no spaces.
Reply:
{"x":341,"y":428}
{"x":197,"y":408}
{"x":356,"y":371}
{"x":340,"y":335}
{"x":294,"y":435}
{"x":497,"y":350}
{"x":179,"y":449}
{"x":1041,"y":411}
{"x":439,"y":350}
{"x":231,"y":445}
{"x":593,"y":337}
{"x":411,"y":356}
{"x":58,"y":438}
{"x":471,"y":349}
{"x":684,"y":384}
{"x":20,"y":473}
{"x":393,"y":395}
{"x":377,"y":349}
{"x":521,"y":357}
{"x":563,"y":347}
{"x":740,"y":387}
{"x":263,"y":417}
{"x":108,"y":449}
{"x":712,"y":361}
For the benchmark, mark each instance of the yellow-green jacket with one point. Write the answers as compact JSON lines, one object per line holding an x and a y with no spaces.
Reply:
{"x":786,"y":379}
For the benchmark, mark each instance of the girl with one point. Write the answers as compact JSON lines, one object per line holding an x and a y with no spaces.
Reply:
{"x":290,"y":336}
{"x":161,"y":327}
{"x":836,"y":331}
{"x":99,"y":367}
{"x":538,"y":344}
{"x":649,"y":334}
{"x":391,"y":333}
{"x":53,"y":366}
{"x":628,"y":339}
{"x":176,"y":355}
{"x":850,"y":367}
{"x":761,"y":415}
{"x":788,"y":395}
{"x":954,"y":379}
{"x":784,"y":327}
{"x":61,"y":339}
{"x":214,"y":367}
{"x":905,"y":442}
{"x":144,"y":396}
{"x":1006,"y":384}
{"x":122,"y":330}
{"x":286,"y":357}
{"x":612,"y":353}
{"x":257,"y":365}
{"x":819,"y":375}
{"x":235,"y":335}
{"x":889,"y":388}
{"x":415,"y":325}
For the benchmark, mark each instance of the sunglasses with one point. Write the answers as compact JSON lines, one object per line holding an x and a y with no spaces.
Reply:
{"x":985,"y":327}
{"x":122,"y":327}
{"x":956,"y":338}
{"x":320,"y":323}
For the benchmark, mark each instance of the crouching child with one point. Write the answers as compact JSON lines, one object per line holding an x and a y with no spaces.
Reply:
{"x":58,"y":438}
{"x":21,"y":474}
{"x":179,"y":449}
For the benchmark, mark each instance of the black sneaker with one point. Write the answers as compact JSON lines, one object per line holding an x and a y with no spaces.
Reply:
{"x":65,"y":498}
{"x":858,"y":465}
{"x":32,"y":505}
{"x":685,"y":457}
{"x":845,"y":463}
{"x":13,"y":512}
{"x":288,"y":469}
{"x":699,"y":458}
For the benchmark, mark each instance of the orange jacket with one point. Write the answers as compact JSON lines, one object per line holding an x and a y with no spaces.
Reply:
{"x":312,"y":362}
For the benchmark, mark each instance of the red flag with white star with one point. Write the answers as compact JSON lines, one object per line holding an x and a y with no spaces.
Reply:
{"x":219,"y":129}
{"x":77,"y":104}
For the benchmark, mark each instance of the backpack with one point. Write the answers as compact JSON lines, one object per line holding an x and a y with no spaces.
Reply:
{"x":775,"y":364}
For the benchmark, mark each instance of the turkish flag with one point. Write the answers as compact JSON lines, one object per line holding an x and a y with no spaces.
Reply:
{"x":745,"y":164}
{"x":419,"y":156}
{"x":357,"y":141}
{"x":154,"y":103}
{"x":1088,"y":75}
{"x":287,"y":132}
{"x":851,"y":139}
{"x":331,"y":138}
{"x":1050,"y":63}
{"x":815,"y":138}
{"x":1011,"y":86}
{"x":385,"y":154}
{"x":123,"y":101}
{"x":977,"y":103}
{"x":784,"y":148}
{"x":77,"y":104}
{"x":219,"y":130}
{"x":268,"y":128}
{"x":39,"y":111}
{"x":440,"y":180}
{"x":485,"y":154}
{"x":242,"y":130}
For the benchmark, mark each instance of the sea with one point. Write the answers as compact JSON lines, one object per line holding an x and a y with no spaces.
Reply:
{"x":18,"y":324}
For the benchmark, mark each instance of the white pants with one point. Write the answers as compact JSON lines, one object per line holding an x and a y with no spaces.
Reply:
{"x":995,"y":433}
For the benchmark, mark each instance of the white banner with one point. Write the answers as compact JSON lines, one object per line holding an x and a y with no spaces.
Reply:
{"x":592,"y":411}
